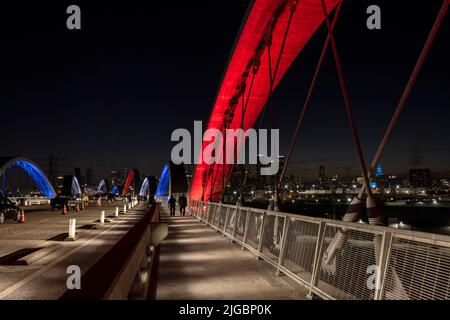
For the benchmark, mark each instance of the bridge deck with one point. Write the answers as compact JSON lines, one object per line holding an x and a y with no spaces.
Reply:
{"x":199,"y":263}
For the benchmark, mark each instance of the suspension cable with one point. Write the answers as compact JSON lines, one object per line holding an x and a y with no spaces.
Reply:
{"x":277,"y":65}
{"x":244,"y":102}
{"x":309,"y":95}
{"x":272,"y":77}
{"x":213,"y":184}
{"x":405,"y":95}
{"x":208,"y":176}
{"x":347,"y":103}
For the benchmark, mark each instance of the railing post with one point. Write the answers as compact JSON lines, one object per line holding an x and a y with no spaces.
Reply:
{"x":247,"y":219}
{"x":217,"y":215}
{"x":384,"y":255}
{"x":200,"y":211}
{"x":226,"y":220}
{"x":261,"y":235}
{"x":283,"y":244}
{"x":235,"y":223}
{"x":208,"y":212}
{"x":205,"y":215}
{"x":320,"y":238}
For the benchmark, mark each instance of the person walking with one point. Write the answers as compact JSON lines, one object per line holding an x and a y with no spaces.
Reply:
{"x":182,"y":201}
{"x":172,"y":202}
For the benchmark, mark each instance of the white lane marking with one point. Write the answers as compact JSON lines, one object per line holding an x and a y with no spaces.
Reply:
{"x":36,"y":274}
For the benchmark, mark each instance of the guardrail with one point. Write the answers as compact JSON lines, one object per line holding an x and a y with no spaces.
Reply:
{"x":368,"y":263}
{"x":129,"y":270}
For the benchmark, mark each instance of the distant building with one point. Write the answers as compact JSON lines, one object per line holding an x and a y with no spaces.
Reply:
{"x":420,"y":178}
{"x":89,"y":177}
{"x":237,"y":177}
{"x":388,"y":181}
{"x":322,"y":176}
{"x":114,"y":177}
{"x":123,"y":174}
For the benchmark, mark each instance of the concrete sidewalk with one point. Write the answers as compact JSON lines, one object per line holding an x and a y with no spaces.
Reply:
{"x":199,"y":263}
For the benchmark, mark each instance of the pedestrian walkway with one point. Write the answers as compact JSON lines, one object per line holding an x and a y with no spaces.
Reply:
{"x":196,"y":262}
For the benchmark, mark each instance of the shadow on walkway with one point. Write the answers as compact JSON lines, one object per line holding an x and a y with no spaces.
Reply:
{"x":199,"y":263}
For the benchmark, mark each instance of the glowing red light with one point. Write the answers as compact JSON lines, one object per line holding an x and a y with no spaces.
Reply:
{"x":307,"y":17}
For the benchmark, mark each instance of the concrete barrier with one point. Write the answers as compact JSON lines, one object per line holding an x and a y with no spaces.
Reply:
{"x":102,"y":217}
{"x":72,"y":229}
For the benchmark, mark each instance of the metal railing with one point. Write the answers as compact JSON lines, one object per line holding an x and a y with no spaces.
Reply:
{"x":370,"y":263}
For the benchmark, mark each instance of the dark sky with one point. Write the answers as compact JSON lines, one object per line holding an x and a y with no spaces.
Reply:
{"x":110,"y":95}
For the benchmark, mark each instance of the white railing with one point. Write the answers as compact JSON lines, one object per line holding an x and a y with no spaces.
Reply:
{"x":369,"y":263}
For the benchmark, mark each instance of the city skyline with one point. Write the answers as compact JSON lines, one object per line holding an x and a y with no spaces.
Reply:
{"x":138,"y":69}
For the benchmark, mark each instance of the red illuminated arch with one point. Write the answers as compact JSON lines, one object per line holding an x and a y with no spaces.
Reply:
{"x":306,"y":19}
{"x":128,"y":182}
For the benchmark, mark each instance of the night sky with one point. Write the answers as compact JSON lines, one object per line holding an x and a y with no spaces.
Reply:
{"x":110,"y":95}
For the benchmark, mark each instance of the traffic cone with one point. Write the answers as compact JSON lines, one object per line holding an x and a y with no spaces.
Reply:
{"x":22,"y":217}
{"x":64,"y":210}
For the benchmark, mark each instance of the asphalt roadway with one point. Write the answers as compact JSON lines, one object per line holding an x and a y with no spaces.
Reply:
{"x":35,"y":255}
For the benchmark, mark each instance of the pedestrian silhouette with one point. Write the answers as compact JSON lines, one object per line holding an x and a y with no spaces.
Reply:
{"x":182,"y":202}
{"x":172,"y":202}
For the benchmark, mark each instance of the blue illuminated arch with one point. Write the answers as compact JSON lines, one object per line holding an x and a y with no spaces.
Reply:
{"x":76,"y":190}
{"x":164,"y":182}
{"x":102,"y":187}
{"x":115,"y":190}
{"x":144,"y":188}
{"x":32,"y":169}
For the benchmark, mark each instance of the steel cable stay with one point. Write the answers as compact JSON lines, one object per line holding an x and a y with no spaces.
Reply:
{"x":408,"y":88}
{"x":267,"y":42}
{"x":272,"y":77}
{"x":347,"y":102}
{"x":307,"y":101}
{"x":244,"y":102}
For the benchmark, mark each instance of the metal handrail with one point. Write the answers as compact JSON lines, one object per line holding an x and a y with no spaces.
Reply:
{"x":408,"y":264}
